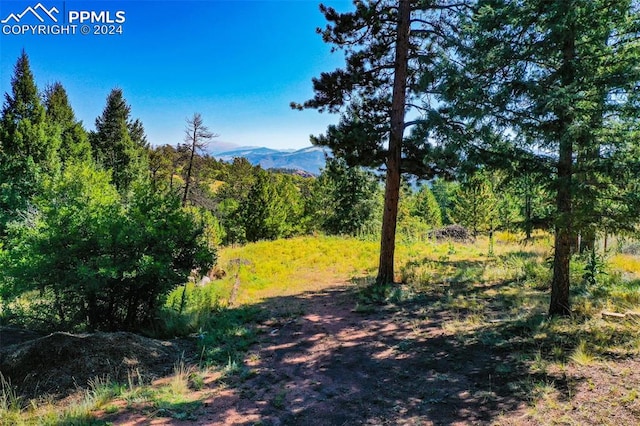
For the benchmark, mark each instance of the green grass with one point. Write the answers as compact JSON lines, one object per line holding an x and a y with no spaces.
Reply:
{"x":510,"y":287}
{"x":499,"y":301}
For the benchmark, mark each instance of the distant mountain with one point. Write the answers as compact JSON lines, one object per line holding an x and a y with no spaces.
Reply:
{"x":309,"y":159}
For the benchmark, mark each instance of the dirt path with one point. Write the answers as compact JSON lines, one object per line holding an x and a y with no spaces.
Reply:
{"x":320,"y":362}
{"x":334,"y":366}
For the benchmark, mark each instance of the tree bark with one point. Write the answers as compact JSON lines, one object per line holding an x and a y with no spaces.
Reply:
{"x":563,"y":234}
{"x":394,"y":157}
{"x":190,"y":166}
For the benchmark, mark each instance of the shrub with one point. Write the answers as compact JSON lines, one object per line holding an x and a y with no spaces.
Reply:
{"x":104,"y":261}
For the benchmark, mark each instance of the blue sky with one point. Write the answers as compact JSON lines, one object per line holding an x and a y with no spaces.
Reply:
{"x":238,"y":63}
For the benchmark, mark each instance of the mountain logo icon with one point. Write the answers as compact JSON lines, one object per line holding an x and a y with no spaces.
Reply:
{"x":38,"y":11}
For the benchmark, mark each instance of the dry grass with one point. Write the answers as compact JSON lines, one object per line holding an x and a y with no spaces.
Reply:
{"x":626,"y":263}
{"x":498,"y":300}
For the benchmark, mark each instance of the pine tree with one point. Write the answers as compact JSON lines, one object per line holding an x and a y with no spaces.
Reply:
{"x":444,"y":192}
{"x":29,"y":144}
{"x":74,"y":139}
{"x":197,"y":137}
{"x":23,"y":103}
{"x":536,"y":74}
{"x":345,"y":197}
{"x":391,"y":49}
{"x":163,"y":166}
{"x":115,"y":147}
{"x":475,"y":205}
{"x":272,"y":207}
{"x":26,"y":133}
{"x":239,"y":179}
{"x":426,"y":207}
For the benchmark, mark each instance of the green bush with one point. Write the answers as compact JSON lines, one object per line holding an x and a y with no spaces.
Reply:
{"x":102,"y":260}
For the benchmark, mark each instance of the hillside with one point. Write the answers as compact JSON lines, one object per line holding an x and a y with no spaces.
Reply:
{"x":465,"y":340}
{"x":309,"y":159}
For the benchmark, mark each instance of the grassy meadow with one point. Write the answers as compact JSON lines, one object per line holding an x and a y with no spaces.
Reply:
{"x":497,"y":300}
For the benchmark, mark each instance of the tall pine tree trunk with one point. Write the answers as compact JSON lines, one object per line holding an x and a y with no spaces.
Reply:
{"x":394,"y":158}
{"x":563,"y":235}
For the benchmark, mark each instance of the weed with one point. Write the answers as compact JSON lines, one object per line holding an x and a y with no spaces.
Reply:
{"x":581,"y":356}
{"x":375,"y":294}
{"x":279,"y":400}
{"x":539,"y":389}
{"x":594,"y":267}
{"x":196,"y":381}
{"x":9,"y":399}
{"x":630,"y":397}
{"x":232,"y":367}
{"x":134,"y":379}
{"x":557,"y":352}
{"x":539,"y":364}
{"x":179,"y":383}
{"x":102,"y":390}
{"x":451,"y":249}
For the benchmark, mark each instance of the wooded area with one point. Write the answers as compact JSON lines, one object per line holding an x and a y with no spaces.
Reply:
{"x":478,"y":138}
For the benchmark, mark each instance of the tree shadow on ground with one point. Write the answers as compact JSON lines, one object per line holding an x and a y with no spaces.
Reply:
{"x":470,"y":354}
{"x":332,"y":365}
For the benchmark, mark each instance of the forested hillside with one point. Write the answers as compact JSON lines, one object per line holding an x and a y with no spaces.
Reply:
{"x":467,"y":254}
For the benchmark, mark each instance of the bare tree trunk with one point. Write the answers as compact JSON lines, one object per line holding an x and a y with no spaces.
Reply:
{"x":564,"y":236}
{"x":394,"y":157}
{"x":190,"y":166}
{"x":560,"y":285}
{"x":197,"y":136}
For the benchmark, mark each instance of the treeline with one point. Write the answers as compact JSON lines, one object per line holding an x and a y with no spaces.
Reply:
{"x":98,"y":227}
{"x":246,"y":203}
{"x":88,"y":242}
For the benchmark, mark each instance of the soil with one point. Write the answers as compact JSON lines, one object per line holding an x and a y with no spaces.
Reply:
{"x":59,"y":364}
{"x":319,"y":361}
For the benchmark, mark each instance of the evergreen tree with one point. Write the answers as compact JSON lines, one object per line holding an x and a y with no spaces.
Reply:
{"x":137,"y":134}
{"x":553,"y":80}
{"x":272,"y":207}
{"x":385,"y":44}
{"x":345,"y":197}
{"x":535,"y":202}
{"x":239,"y":178}
{"x":74,"y":139}
{"x":444,"y":192}
{"x":426,"y":207}
{"x":23,"y":103}
{"x":475,"y":205}
{"x":115,"y":147}
{"x":29,"y":144}
{"x":163,"y":162}
{"x":102,"y":260}
{"x":197,"y":138}
{"x":26,"y":133}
